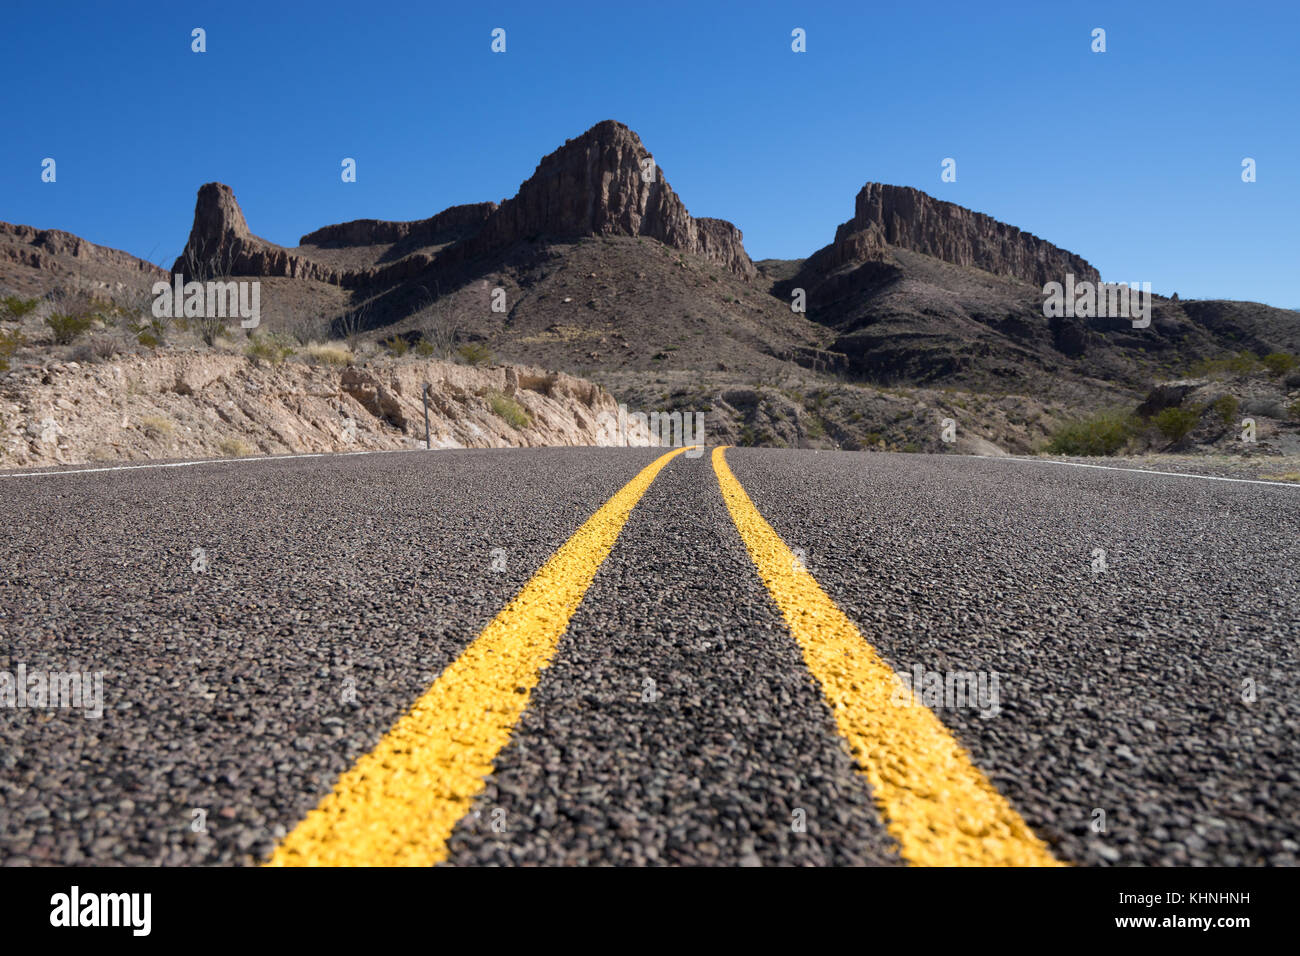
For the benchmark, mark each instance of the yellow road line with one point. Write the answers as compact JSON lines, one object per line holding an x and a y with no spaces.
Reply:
{"x":935,"y":802}
{"x":398,"y":804}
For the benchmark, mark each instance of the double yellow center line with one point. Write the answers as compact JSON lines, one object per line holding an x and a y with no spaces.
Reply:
{"x":398,"y":805}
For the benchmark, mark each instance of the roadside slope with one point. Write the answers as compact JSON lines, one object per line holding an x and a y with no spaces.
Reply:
{"x":183,"y":405}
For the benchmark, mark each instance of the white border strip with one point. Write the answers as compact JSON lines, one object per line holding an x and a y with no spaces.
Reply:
{"x":1138,"y":471}
{"x":210,"y":461}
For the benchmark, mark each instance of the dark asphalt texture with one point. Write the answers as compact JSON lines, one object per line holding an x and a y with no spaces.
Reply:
{"x":226,"y":691}
{"x":1122,"y":690}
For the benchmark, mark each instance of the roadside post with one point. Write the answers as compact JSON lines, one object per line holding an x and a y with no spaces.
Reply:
{"x":427,"y":443}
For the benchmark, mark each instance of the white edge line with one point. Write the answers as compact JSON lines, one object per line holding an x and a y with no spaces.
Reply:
{"x":1137,"y":471}
{"x":210,"y":461}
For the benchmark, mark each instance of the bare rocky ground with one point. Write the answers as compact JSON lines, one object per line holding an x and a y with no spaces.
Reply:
{"x":195,"y":405}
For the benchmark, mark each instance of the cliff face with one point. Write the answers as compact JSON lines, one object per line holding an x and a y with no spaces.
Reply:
{"x":30,"y":259}
{"x":450,"y":225}
{"x":593,"y":185}
{"x":221,"y":243}
{"x":910,"y":219}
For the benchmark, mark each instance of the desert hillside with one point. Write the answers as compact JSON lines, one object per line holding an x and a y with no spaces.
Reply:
{"x":917,"y":312}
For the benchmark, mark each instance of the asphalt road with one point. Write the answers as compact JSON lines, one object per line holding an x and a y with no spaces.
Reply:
{"x":1137,"y":705}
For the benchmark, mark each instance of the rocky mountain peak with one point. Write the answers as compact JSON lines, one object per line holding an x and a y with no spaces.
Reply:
{"x":217,"y":213}
{"x":219,"y":228}
{"x":910,"y":219}
{"x":221,"y":244}
{"x":605,"y":182}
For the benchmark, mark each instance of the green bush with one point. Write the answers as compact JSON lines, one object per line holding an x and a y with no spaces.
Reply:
{"x":1227,"y":406}
{"x":14,"y":307}
{"x":475,"y":353}
{"x":153,"y":333}
{"x":424,"y":348}
{"x":1176,"y":422}
{"x":67,"y":328}
{"x":1103,"y":434}
{"x":1279,"y":363}
{"x":10,"y":342}
{"x":1242,"y":363}
{"x":268,"y":349}
{"x":509,"y":410}
{"x":397,"y":345}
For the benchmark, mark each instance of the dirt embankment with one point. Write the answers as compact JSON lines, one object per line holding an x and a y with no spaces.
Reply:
{"x":194,"y":405}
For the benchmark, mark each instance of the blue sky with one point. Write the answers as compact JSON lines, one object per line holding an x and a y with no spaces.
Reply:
{"x":1131,"y":158}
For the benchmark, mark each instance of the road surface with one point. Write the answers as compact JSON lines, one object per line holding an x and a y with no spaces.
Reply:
{"x":621,"y":656}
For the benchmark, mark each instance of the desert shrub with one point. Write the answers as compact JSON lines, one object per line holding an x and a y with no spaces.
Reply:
{"x":1241,"y":363}
{"x":1227,"y":407}
{"x":153,"y":333}
{"x":508,"y":409}
{"x":1294,"y":410}
{"x":209,"y":329}
{"x":306,"y":329}
{"x":234,"y":448}
{"x":14,"y":307}
{"x":156,"y":426}
{"x":351,"y":324}
{"x":329,"y":354}
{"x":424,"y":348}
{"x":1176,"y":422}
{"x":267,"y":349}
{"x":475,"y":353}
{"x":10,"y":342}
{"x":1102,"y":434}
{"x":397,"y":345}
{"x":97,"y":349}
{"x":440,"y":327}
{"x":1279,"y":363}
{"x":67,"y":328}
